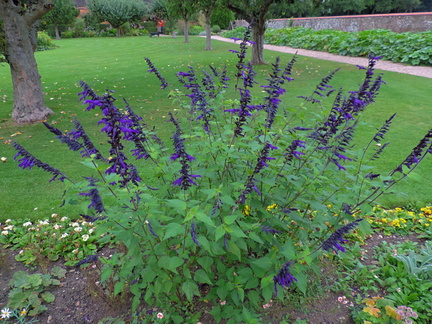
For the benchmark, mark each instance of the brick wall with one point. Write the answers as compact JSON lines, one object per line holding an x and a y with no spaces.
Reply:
{"x":415,"y":22}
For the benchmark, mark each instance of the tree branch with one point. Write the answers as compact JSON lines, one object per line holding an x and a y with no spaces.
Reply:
{"x":35,"y":10}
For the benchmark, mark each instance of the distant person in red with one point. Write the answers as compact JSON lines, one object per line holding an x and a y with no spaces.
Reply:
{"x":160,"y":24}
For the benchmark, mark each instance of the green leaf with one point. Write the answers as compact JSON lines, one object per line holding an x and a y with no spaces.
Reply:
{"x":177,"y":204}
{"x":170,"y":263}
{"x":219,"y":233}
{"x":267,"y":287}
{"x":20,"y":280}
{"x":203,"y":217}
{"x":230,"y":219}
{"x":173,"y":229}
{"x":118,"y":287}
{"x":206,"y":262}
{"x":254,"y":236}
{"x":190,"y":288}
{"x":233,"y":248}
{"x":58,"y":272}
{"x":47,"y":296}
{"x":205,"y":244}
{"x":253,"y":297}
{"x":202,"y":277}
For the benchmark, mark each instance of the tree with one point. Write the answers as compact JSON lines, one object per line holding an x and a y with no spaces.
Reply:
{"x":20,"y":39}
{"x":253,"y":11}
{"x":183,"y":9}
{"x":64,"y":13}
{"x":300,"y":8}
{"x":343,"y":7}
{"x":386,"y":6}
{"x":207,"y":7}
{"x":117,"y":12}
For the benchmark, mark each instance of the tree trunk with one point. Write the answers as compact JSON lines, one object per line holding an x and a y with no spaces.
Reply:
{"x":186,"y":30}
{"x":57,"y":33}
{"x":258,"y":30}
{"x":208,"y":30}
{"x":19,"y":53}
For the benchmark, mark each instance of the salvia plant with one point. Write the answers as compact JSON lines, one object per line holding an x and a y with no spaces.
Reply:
{"x":237,"y":205}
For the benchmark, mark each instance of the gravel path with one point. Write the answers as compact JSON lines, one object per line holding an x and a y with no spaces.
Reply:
{"x":423,"y":71}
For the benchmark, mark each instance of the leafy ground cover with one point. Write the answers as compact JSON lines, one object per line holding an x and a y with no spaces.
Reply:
{"x":102,"y":64}
{"x":410,"y":48}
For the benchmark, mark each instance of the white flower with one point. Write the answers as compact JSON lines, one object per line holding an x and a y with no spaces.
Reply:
{"x":5,"y":313}
{"x":64,"y":235}
{"x":75,"y":251}
{"x":64,"y":219}
{"x":57,"y":226}
{"x":45,"y":222}
{"x":85,"y":237}
{"x":26,"y":224}
{"x":8,"y":228}
{"x":84,"y":223}
{"x":74,"y":224}
{"x":21,"y":252}
{"x":160,"y":315}
{"x":54,"y":215}
{"x":5,"y":232}
{"x":91,"y":230}
{"x":7,"y":222}
{"x":78,"y":229}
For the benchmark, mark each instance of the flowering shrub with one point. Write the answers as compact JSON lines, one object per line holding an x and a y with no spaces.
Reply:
{"x":234,"y":210}
{"x":49,"y":239}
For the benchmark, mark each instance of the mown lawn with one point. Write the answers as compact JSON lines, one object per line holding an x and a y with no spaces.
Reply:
{"x":118,"y":64}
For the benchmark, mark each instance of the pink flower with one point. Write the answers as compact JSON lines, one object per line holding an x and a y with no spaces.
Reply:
{"x":223,"y":302}
{"x":160,"y":315}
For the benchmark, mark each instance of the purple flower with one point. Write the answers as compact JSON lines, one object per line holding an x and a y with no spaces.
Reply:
{"x":193,"y":234}
{"x":268,"y":229}
{"x":69,"y":140}
{"x":186,"y":179}
{"x":261,"y":163}
{"x":29,"y":161}
{"x":96,"y":200}
{"x":164,"y":83}
{"x":151,"y":229}
{"x":336,"y":239}
{"x":90,"y":258}
{"x":284,"y":278}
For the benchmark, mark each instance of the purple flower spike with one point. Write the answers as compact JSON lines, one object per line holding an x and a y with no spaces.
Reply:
{"x":284,"y":278}
{"x":193,"y":234}
{"x":336,"y":239}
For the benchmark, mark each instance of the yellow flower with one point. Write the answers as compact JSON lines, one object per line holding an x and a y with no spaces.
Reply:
{"x":398,"y":210}
{"x":395,"y":223}
{"x":427,"y":224}
{"x":402,"y":220}
{"x":384,"y":220}
{"x":274,"y":206}
{"x":246,"y":210}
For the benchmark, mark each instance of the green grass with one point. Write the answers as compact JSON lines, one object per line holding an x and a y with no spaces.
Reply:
{"x":118,"y":64}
